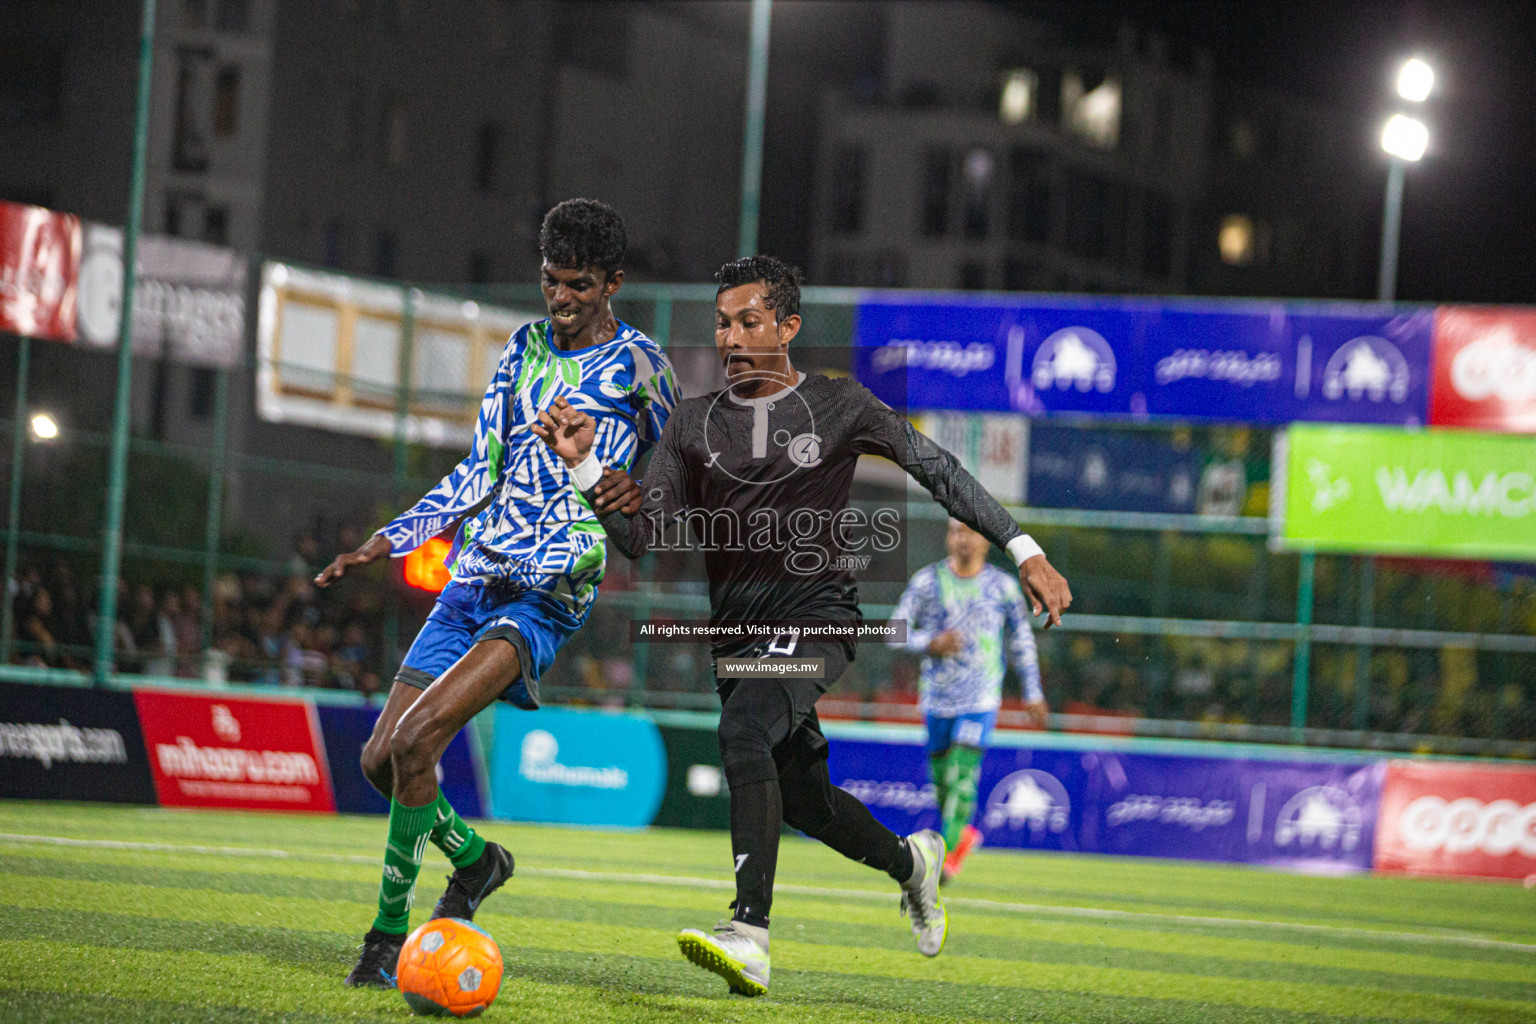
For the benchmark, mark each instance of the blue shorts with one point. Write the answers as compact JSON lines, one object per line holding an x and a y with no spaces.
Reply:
{"x":530,"y":620}
{"x":973,"y":730}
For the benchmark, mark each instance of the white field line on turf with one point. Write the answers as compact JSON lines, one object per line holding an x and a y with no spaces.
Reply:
{"x":690,"y":882}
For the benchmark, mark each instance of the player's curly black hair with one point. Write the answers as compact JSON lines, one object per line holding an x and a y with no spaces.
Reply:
{"x":783,"y":282}
{"x":583,"y":233}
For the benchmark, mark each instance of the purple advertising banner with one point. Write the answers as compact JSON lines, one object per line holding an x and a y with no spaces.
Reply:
{"x":1251,"y":362}
{"x":1316,"y":816}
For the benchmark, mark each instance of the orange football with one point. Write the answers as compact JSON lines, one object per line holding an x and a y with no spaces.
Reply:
{"x":449,"y":966}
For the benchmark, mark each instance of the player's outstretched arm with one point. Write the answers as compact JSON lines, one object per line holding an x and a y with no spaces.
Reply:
{"x":883,"y":431}
{"x":373,"y":548}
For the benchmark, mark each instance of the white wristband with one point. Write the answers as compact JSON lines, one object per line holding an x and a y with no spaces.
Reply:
{"x":1022,"y":548}
{"x":586,"y":475}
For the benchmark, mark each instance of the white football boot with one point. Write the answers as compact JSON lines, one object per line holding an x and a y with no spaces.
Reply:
{"x":920,"y":893}
{"x":737,"y":951}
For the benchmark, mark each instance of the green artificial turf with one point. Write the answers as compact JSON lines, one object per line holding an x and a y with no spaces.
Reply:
{"x":255,"y":918}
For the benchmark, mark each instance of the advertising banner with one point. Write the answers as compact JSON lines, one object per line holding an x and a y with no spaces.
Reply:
{"x":1300,"y":815}
{"x":1120,"y":470}
{"x":1249,"y":362}
{"x":1440,"y":493}
{"x":346,"y":728}
{"x":696,"y":795}
{"x":330,"y":348}
{"x":240,"y":753}
{"x":188,"y":300}
{"x":62,"y":743}
{"x":1485,"y":369}
{"x":39,"y":268}
{"x":576,"y":767}
{"x":1445,"y":818}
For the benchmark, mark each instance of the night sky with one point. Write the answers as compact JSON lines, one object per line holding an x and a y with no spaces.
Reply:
{"x":1469,"y":217}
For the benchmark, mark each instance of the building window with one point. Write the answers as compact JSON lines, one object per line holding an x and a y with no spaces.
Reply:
{"x":1242,"y":241}
{"x":32,"y":81}
{"x":1029,"y":196}
{"x":333,"y":244}
{"x":480,"y":267}
{"x":487,"y":156}
{"x":1157,"y":239}
{"x":194,"y":14}
{"x":1086,"y":200}
{"x":352,"y":115}
{"x":1093,"y":115}
{"x":935,"y":212}
{"x":226,"y":101}
{"x":848,"y":191}
{"x":200,"y":394}
{"x":976,"y":204}
{"x":192,"y":94}
{"x":384,"y":253}
{"x":234,"y":15}
{"x":973,"y":276}
{"x":1016,"y":104}
{"x":394,"y":139}
{"x":216,"y":225}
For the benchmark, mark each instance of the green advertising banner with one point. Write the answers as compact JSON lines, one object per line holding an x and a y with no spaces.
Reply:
{"x":1445,"y":493}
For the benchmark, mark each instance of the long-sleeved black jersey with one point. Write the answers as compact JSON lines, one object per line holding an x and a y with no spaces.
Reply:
{"x":761,"y":486}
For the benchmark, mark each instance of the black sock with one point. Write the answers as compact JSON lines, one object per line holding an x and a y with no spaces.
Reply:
{"x":856,"y":834}
{"x":757,"y":809}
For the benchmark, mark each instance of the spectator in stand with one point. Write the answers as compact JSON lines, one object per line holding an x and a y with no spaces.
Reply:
{"x":37,"y":631}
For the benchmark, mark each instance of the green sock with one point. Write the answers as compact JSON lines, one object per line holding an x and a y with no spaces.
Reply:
{"x":962,"y":769}
{"x":462,"y":844}
{"x":938,"y":767}
{"x":409,"y":830}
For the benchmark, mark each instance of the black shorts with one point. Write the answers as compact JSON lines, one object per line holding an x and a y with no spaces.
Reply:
{"x":802,"y":740}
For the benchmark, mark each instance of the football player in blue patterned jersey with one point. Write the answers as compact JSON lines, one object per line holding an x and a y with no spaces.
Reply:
{"x":524,"y":570}
{"x":956,"y":612}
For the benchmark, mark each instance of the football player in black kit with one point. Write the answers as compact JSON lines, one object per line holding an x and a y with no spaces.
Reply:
{"x":761,"y":471}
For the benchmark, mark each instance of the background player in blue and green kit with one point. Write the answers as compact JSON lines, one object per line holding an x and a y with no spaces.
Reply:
{"x":525,"y":569}
{"x":957,"y":612}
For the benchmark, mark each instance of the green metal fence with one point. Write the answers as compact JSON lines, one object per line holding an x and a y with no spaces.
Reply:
{"x":1182,"y":625}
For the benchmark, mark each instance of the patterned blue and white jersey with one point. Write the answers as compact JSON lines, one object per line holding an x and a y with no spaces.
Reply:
{"x":537,"y":530}
{"x":980,"y":607}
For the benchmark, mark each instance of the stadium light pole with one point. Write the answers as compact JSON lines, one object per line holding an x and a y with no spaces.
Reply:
{"x":112,"y":531}
{"x":752,"y":146}
{"x":1404,"y":139}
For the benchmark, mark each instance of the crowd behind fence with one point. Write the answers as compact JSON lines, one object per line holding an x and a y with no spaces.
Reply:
{"x":1182,"y":624}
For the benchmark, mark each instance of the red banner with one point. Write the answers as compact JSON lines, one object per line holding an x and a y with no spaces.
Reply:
{"x":1485,"y":369}
{"x":39,"y":266}
{"x":1445,"y":818}
{"x":234,"y":752}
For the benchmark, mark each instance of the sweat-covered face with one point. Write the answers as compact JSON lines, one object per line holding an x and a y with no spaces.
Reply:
{"x":577,"y":298}
{"x":752,"y":343}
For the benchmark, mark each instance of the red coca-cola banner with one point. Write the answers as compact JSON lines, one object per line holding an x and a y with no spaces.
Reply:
{"x":232,"y":752}
{"x":39,"y":267}
{"x":1447,"y":818}
{"x":1485,"y":369}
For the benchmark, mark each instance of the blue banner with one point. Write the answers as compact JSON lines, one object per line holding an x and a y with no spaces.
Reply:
{"x":576,"y":767}
{"x":1245,"y":362}
{"x":347,"y":728}
{"x":1300,"y":815}
{"x":1119,"y":470}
